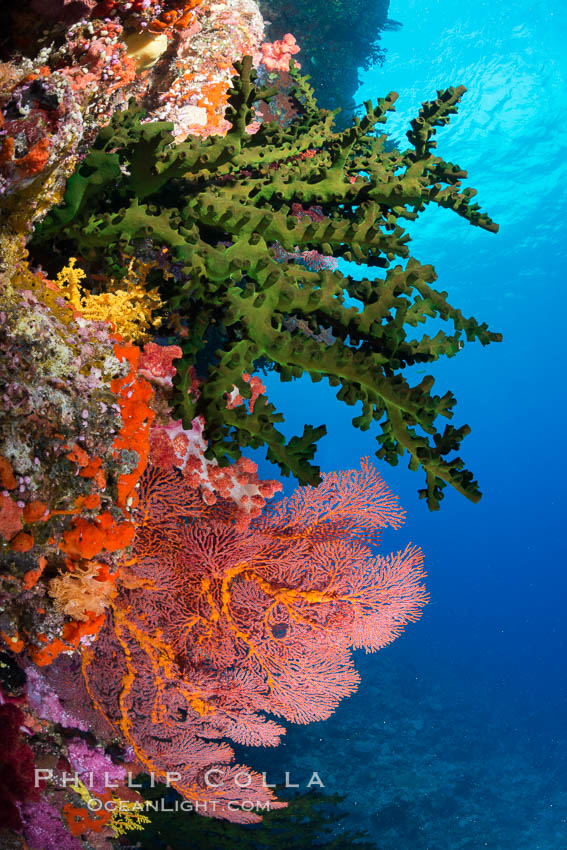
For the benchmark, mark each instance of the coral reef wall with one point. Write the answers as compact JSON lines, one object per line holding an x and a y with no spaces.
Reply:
{"x":175,"y":208}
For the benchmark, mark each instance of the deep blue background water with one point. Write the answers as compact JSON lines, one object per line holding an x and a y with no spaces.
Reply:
{"x":457,"y":736}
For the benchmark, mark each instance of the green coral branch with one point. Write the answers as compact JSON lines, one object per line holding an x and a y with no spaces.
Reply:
{"x":223,"y":207}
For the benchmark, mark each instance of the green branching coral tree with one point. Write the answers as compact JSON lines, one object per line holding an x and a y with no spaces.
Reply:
{"x":222,"y":207}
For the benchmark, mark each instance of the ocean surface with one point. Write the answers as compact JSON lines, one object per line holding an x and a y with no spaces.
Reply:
{"x":457,"y":737}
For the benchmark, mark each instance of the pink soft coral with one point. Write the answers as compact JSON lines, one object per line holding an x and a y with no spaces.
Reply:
{"x":156,"y":362}
{"x":172,"y":445}
{"x":276,"y":54}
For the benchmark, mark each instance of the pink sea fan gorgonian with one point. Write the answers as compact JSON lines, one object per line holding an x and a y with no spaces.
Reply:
{"x":214,"y":625}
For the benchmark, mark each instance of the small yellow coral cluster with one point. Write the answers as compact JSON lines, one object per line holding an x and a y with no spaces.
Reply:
{"x":126,"y":814}
{"x":129,"y":310}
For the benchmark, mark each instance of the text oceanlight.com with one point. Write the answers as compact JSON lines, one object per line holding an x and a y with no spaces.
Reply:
{"x":212,"y":780}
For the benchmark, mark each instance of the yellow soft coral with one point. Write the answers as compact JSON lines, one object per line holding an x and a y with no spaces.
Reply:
{"x":129,"y":310}
{"x":16,"y":277}
{"x":126,"y":814}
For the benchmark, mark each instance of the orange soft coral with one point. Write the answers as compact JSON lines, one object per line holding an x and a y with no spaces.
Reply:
{"x":134,"y":394}
{"x":7,"y":479}
{"x":80,"y":820}
{"x":10,"y":517}
{"x":72,"y":634}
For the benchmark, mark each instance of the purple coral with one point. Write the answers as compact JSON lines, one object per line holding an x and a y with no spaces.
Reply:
{"x":95,"y":769}
{"x":46,"y":703}
{"x":44,"y":830}
{"x":59,"y":694}
{"x":16,"y":767}
{"x":67,"y":11}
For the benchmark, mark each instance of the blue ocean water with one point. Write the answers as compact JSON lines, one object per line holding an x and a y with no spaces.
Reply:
{"x":457,"y":737}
